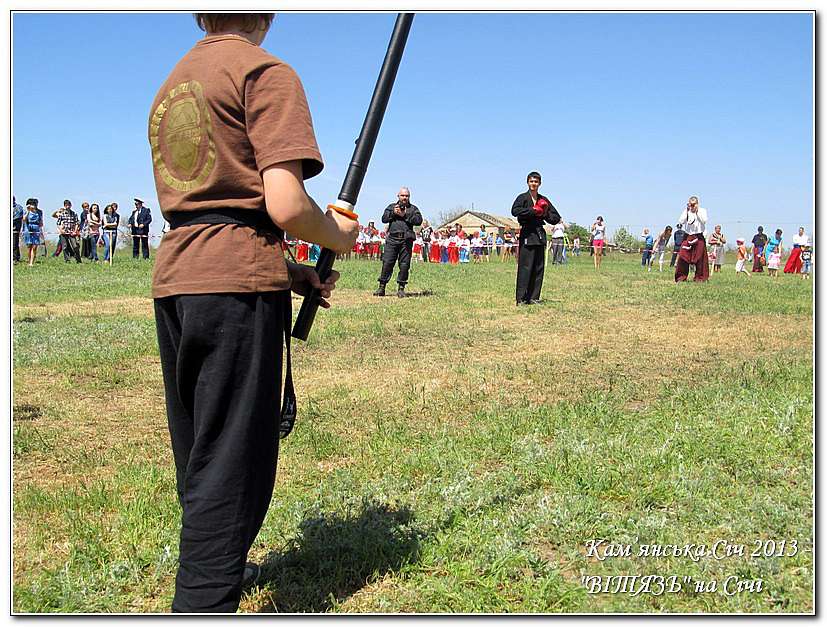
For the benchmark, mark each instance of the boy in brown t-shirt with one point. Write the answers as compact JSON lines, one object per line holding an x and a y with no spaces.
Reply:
{"x":232,"y":142}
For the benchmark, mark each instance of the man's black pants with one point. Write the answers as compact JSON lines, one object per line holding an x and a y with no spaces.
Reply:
{"x":396,"y":249}
{"x":221,"y":358}
{"x":16,"y":225}
{"x":70,"y":247}
{"x":140,"y":241}
{"x":531,"y":264}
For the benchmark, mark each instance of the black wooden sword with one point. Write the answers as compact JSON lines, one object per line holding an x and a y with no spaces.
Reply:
{"x":358,"y":164}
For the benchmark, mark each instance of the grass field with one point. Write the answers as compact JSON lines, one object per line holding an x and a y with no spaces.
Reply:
{"x":453,"y":453}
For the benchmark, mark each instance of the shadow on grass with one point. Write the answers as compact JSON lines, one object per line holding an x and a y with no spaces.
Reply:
{"x":410,"y":294}
{"x":334,"y":556}
{"x":26,"y":411}
{"x":419,"y":294}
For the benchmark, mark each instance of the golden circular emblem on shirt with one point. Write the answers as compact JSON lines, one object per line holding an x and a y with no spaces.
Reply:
{"x":181,"y":136}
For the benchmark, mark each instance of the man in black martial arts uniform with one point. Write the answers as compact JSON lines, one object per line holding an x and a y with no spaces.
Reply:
{"x":532,"y":209}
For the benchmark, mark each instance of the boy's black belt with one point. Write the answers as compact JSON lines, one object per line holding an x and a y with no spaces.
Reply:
{"x":261,"y":221}
{"x":254,"y":219}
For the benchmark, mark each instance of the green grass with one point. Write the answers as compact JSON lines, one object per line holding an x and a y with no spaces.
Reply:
{"x":53,"y":280}
{"x":462,"y":464}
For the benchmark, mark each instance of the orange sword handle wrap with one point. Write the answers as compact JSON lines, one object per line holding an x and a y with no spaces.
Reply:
{"x":345,"y":212}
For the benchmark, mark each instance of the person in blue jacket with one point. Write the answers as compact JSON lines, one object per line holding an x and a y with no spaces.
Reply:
{"x":648,"y":244}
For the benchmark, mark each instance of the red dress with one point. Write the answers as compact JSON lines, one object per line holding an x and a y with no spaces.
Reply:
{"x":434,"y":251}
{"x":794,"y":262}
{"x":453,"y":253}
{"x":301,"y":251}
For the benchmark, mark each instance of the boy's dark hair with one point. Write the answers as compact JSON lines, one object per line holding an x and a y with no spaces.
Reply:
{"x":533,"y":174}
{"x":216,"y":22}
{"x":778,"y":231}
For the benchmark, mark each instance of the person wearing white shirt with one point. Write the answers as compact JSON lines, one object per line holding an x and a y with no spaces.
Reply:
{"x":801,"y":239}
{"x":557,"y":234}
{"x":598,"y":232}
{"x":376,"y":241}
{"x":416,"y":251}
{"x":693,"y":247}
{"x":362,"y":241}
{"x":453,"y":247}
{"x":483,"y":235}
{"x":477,"y":243}
{"x":793,"y":265}
{"x":464,"y":249}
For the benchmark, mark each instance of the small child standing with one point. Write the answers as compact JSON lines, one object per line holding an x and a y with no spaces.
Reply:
{"x":712,"y":257}
{"x":465,"y":249}
{"x":742,"y":257}
{"x":806,"y":262}
{"x":773,"y":263}
{"x":477,"y":244}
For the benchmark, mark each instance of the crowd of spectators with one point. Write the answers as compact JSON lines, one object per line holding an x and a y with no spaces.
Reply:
{"x":765,"y":252}
{"x":79,"y":235}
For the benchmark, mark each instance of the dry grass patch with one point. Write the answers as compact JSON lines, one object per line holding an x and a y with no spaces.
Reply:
{"x":132,"y":307}
{"x":554,"y":363}
{"x":105,"y":424}
{"x":551,"y":553}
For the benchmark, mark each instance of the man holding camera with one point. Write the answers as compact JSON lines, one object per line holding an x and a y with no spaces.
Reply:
{"x":400,"y":217}
{"x":532,"y":209}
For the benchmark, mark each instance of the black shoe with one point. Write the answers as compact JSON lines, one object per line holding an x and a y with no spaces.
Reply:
{"x":401,"y":292}
{"x":521,"y":303}
{"x":380,"y":291}
{"x":252,"y":571}
{"x":535,"y":301}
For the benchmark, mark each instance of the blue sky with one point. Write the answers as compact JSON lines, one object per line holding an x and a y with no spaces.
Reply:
{"x":624,"y":114}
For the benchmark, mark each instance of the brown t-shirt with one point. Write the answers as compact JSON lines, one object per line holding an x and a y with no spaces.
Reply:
{"x":227,"y":111}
